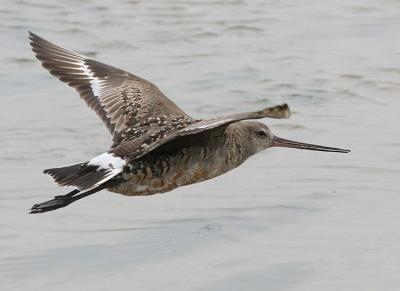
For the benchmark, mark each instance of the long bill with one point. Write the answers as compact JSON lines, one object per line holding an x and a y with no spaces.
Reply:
{"x":281,"y":142}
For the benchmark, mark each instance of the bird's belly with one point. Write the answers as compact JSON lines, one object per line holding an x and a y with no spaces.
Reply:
{"x":179,"y":174}
{"x":137,"y":187}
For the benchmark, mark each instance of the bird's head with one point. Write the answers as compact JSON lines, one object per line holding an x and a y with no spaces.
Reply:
{"x":260,"y":137}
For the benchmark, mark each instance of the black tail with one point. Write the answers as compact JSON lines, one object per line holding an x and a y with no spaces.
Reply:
{"x":82,"y":175}
{"x":64,"y":174}
{"x":91,"y":174}
{"x":64,"y":200}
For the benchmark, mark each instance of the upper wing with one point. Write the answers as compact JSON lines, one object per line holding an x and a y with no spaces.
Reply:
{"x":127,"y":104}
{"x":134,"y":149}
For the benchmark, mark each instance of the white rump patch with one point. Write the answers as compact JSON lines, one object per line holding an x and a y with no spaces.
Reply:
{"x":108,"y":161}
{"x":113,"y":165}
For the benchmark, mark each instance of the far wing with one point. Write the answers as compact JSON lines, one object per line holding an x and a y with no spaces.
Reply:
{"x":144,"y":144}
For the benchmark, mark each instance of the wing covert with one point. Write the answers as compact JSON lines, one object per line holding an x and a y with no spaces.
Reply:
{"x":156,"y":137}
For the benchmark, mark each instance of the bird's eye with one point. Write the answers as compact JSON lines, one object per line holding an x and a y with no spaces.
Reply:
{"x":261,"y":133}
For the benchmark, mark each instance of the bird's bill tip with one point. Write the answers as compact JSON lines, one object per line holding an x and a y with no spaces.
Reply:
{"x":281,"y":142}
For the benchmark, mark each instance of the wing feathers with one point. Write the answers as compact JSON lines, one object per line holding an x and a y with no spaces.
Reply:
{"x":115,"y":95}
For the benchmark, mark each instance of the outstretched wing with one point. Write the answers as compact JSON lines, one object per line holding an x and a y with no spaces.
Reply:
{"x":134,"y":149}
{"x":127,"y":104}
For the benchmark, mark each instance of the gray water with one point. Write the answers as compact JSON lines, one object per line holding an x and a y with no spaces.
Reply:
{"x":285,"y":220}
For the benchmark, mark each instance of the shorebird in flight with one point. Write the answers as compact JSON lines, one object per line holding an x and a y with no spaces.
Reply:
{"x":156,"y":146}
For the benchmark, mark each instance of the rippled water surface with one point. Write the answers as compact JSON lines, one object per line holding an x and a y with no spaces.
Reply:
{"x":285,"y":220}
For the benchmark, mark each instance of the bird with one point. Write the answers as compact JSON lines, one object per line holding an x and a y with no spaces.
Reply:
{"x":156,"y":146}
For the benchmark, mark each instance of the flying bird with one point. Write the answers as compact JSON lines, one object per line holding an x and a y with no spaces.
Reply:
{"x":156,"y":146}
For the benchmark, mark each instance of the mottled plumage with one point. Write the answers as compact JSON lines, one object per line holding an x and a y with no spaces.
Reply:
{"x":156,"y":146}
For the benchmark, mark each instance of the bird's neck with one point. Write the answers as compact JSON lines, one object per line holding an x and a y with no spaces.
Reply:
{"x":237,"y":146}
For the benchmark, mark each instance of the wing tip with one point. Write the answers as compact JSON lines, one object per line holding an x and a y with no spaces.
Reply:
{"x":36,"y":42}
{"x":284,"y":110}
{"x":278,"y":111}
{"x":33,"y":37}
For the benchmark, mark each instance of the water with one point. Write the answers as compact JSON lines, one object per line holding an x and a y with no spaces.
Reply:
{"x":285,"y":220}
